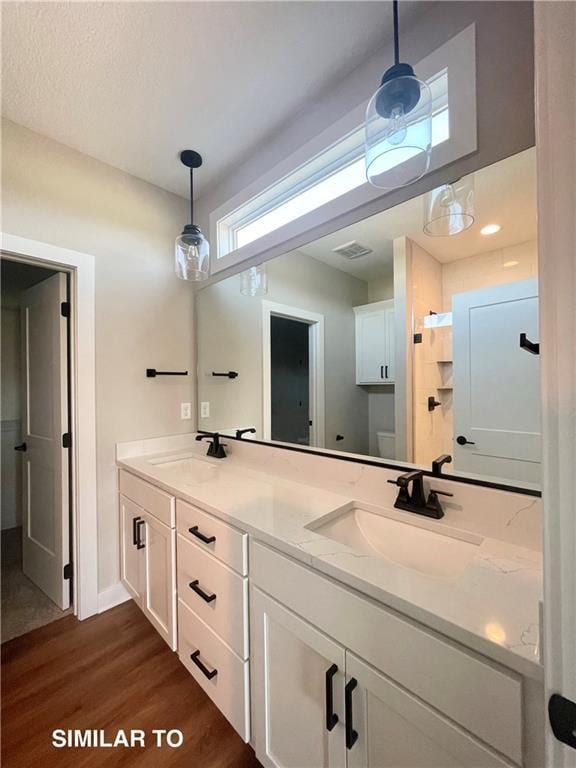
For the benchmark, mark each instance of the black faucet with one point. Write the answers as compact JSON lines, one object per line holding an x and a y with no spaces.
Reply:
{"x":437,"y":463}
{"x":240,"y":432}
{"x":416,"y":500}
{"x":216,"y":448}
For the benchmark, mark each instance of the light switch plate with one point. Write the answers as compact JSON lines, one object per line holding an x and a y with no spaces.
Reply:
{"x":204,"y":410}
{"x":185,"y":410}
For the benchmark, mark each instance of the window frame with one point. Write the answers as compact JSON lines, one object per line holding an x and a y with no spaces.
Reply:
{"x":328,"y":153}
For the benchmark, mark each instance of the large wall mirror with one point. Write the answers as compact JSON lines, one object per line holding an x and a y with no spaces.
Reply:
{"x":406,"y":336}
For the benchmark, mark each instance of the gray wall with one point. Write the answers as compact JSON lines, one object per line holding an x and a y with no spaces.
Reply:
{"x":505,"y":93}
{"x":144,"y":314}
{"x":230,"y":338}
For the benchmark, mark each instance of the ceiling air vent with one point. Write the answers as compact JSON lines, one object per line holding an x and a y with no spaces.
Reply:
{"x":352,"y":250}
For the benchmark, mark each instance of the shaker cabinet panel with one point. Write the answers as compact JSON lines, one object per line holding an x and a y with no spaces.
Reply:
{"x":131,"y":560}
{"x":298,"y":676}
{"x":393,"y":729}
{"x":159,"y":603}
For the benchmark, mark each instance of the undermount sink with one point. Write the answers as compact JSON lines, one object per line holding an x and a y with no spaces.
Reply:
{"x":191,"y":469}
{"x":414,"y":546}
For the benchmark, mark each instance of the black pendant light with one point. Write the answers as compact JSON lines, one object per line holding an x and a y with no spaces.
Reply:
{"x":192,"y":250}
{"x":398,"y":135}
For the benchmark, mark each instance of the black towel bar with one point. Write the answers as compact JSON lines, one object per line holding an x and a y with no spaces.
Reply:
{"x":151,"y":373}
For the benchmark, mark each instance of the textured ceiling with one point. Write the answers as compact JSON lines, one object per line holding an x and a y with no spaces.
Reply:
{"x":132,"y":83}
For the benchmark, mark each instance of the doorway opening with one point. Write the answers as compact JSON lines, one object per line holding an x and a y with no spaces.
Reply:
{"x":293,"y":375}
{"x":36,"y":463}
{"x":290,"y":380}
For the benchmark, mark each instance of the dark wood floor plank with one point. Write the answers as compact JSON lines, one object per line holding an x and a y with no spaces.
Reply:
{"x":112,"y":671}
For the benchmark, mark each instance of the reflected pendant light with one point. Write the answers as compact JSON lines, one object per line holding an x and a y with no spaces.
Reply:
{"x":254,"y":281}
{"x":398,"y":129}
{"x":449,"y":209}
{"x":192,"y":250}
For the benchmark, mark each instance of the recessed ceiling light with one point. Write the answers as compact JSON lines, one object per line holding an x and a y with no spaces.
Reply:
{"x":510,"y":264}
{"x":490,"y":229}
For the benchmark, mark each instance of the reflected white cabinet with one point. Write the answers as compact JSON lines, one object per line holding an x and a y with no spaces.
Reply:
{"x":148,"y":565}
{"x":375,"y":343}
{"x":298,"y":680}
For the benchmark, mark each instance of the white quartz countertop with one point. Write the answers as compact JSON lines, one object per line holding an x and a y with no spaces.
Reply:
{"x":491,"y":606}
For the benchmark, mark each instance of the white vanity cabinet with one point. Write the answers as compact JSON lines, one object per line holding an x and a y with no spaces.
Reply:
{"x":404,"y":697}
{"x":148,"y":551}
{"x":375,"y":343}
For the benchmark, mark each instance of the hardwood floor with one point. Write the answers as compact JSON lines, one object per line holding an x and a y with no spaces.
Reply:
{"x":109,"y":672}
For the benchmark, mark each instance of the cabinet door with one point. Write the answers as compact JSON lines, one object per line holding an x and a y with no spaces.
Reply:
{"x":390,"y":346}
{"x":296,"y":670}
{"x":159,"y":599}
{"x":393,"y":729}
{"x":370,"y":347}
{"x":131,"y":557}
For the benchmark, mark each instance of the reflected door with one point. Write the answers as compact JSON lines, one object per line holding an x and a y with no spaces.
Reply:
{"x":45,"y":526}
{"x":496,"y":382}
{"x":290,"y":380}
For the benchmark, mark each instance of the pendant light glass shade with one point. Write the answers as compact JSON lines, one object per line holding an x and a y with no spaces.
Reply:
{"x":398,"y":129}
{"x":192,"y":255}
{"x":254,"y":281}
{"x":398,"y":136}
{"x":191,"y":250}
{"x":449,"y":209}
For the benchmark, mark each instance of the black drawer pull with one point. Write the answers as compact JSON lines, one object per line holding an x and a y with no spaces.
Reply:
{"x":205,"y":596}
{"x":134,"y":531}
{"x":139,"y":543}
{"x":209,"y":673}
{"x":331,"y":716}
{"x":206,"y":539}
{"x":351,"y":734}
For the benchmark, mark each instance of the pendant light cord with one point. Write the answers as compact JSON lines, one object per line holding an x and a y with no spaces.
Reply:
{"x":396,"y":35}
{"x":191,"y":195}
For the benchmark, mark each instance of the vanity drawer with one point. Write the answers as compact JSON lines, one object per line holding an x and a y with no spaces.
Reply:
{"x":471,"y":690}
{"x":227,"y":612}
{"x":229,"y":687}
{"x":213,"y":535}
{"x":152,"y":499}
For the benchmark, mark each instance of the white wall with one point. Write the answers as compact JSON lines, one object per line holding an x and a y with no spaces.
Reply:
{"x":144,"y":314}
{"x":230,"y":338}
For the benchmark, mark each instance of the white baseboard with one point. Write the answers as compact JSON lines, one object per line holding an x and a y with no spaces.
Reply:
{"x":111,"y":597}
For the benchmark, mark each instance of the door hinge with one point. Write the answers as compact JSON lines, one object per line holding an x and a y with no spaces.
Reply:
{"x":562,"y":714}
{"x":67,"y":440}
{"x":68,"y":571}
{"x":417,"y":338}
{"x":65,"y":309}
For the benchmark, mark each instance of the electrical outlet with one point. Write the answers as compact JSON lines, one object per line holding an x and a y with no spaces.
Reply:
{"x":204,"y":410}
{"x":185,"y":410}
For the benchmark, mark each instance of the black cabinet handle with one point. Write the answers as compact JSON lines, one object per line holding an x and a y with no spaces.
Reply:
{"x":209,"y":673}
{"x":134,"y":530}
{"x":22,"y":447}
{"x":331,"y":716}
{"x":385,"y":371}
{"x":139,"y":543}
{"x":206,"y":539}
{"x":461,"y":440}
{"x":381,"y":371}
{"x":351,"y":734}
{"x":204,"y":595}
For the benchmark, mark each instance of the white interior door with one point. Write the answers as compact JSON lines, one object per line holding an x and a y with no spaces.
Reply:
{"x":496,"y":382}
{"x":45,"y":523}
